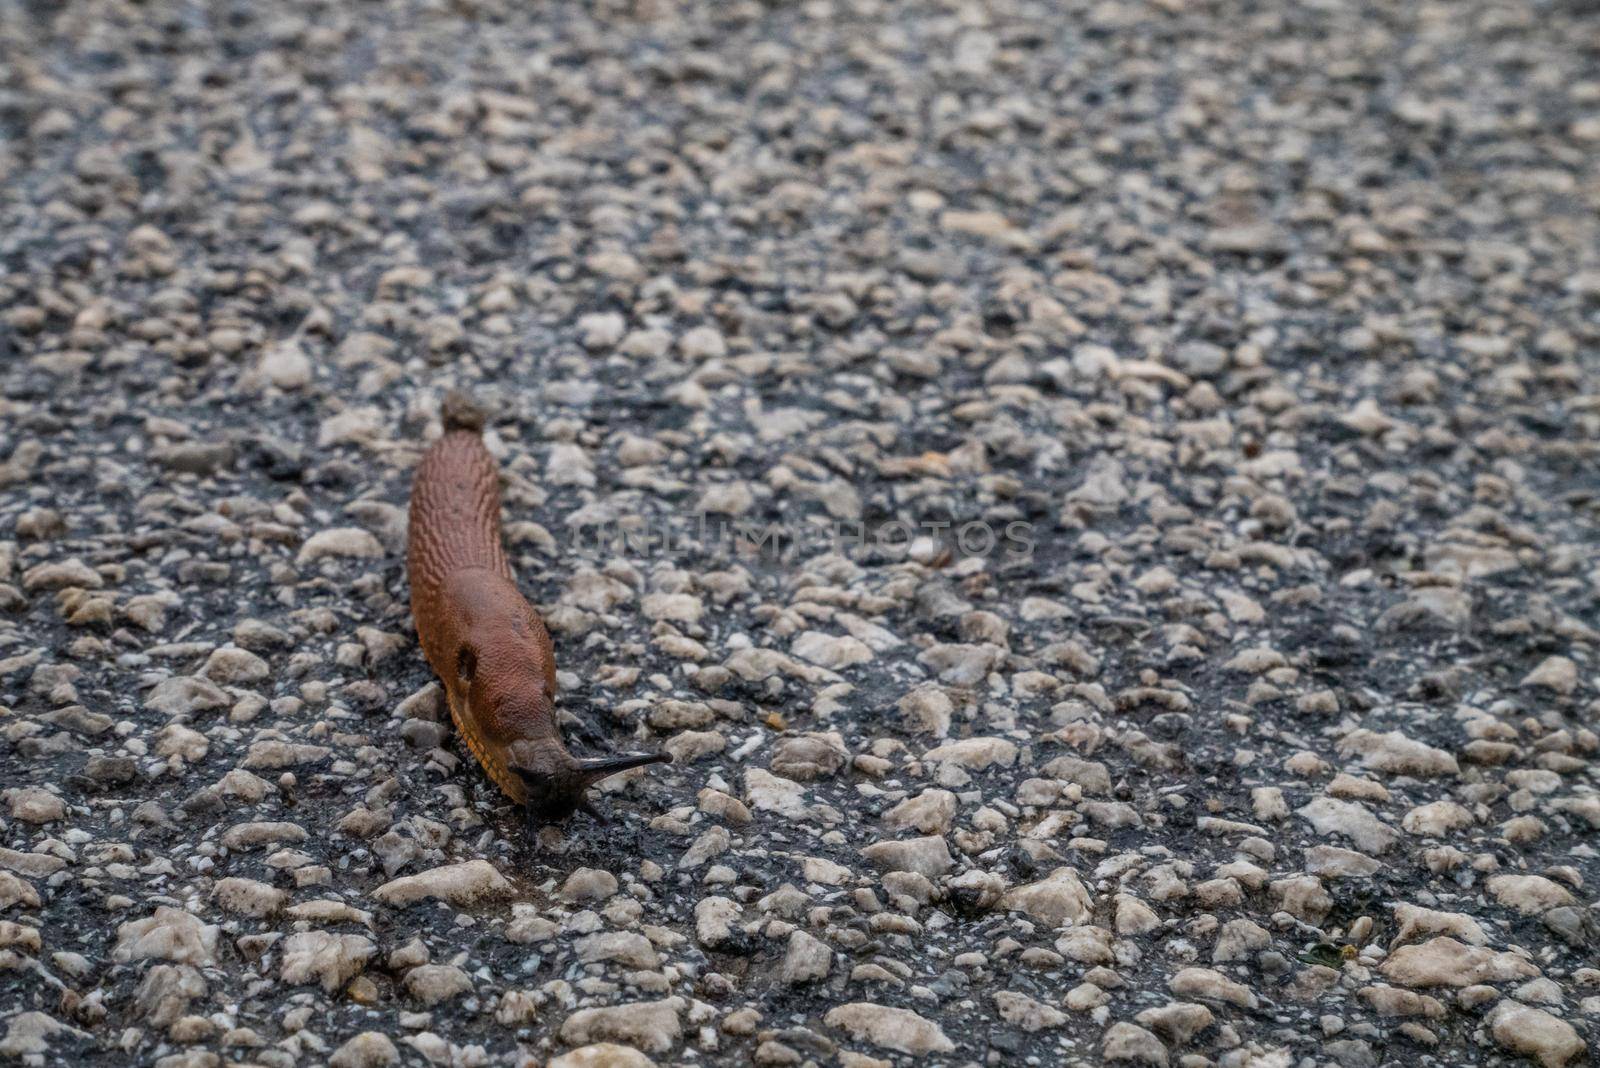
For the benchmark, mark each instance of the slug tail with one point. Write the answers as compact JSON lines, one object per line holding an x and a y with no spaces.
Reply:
{"x":461,"y":412}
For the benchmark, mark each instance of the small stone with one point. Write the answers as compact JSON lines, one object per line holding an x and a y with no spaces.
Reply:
{"x":433,"y":983}
{"x":369,"y":1049}
{"x":588,"y":884}
{"x":652,"y":1026}
{"x":810,"y":756}
{"x":1535,"y":1033}
{"x":186,"y":695}
{"x":230,"y":666}
{"x":1303,"y":897}
{"x":528,"y":927}
{"x":1334,"y":862}
{"x":807,"y":959}
{"x":714,"y":920}
{"x":247,"y":897}
{"x":674,"y":607}
{"x":1211,"y":985}
{"x":1556,"y":673}
{"x":242,"y":837}
{"x":602,"y":1055}
{"x":32,"y":804}
{"x":28,"y":1036}
{"x":1178,"y":1021}
{"x":897,"y":1029}
{"x":1059,"y":898}
{"x":272,"y":753}
{"x":1367,"y":418}
{"x":712,"y":843}
{"x":1436,"y":819}
{"x":1241,"y":939}
{"x":319,"y":956}
{"x":622,"y":947}
{"x":1329,"y":816}
{"x":988,"y":224}
{"x":351,"y":543}
{"x":703,"y":343}
{"x":286,"y":365}
{"x":59,"y":576}
{"x":15,"y":891}
{"x":1392,"y":1001}
{"x":1201,"y":359}
{"x":1248,"y":238}
{"x":459,"y":884}
{"x":1572,"y":925}
{"x":168,"y":934}
{"x":1129,"y":1042}
{"x":1443,"y":961}
{"x":1086,"y":944}
{"x":1413,"y":920}
{"x":974,"y":753}
{"x":1019,"y":1010}
{"x":602,"y":330}
{"x":830,"y":651}
{"x":930,"y":812}
{"x":928,"y":708}
{"x":1430,"y":607}
{"x":1134,"y":917}
{"x":176,"y":740}
{"x":766,"y":792}
{"x":1086,"y":997}
{"x":1528,"y":894}
{"x":928,"y":856}
{"x":961,"y":665}
{"x":1397,"y":754}
{"x":726,"y":498}
{"x":1469,"y":561}
{"x":569,"y":465}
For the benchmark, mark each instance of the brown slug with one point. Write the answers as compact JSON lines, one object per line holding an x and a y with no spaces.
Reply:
{"x":481,"y":636}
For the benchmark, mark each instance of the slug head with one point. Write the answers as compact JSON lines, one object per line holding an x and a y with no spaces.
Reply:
{"x":558,"y":783}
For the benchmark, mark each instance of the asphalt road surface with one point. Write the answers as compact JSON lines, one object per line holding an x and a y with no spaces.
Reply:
{"x":1099,"y":498}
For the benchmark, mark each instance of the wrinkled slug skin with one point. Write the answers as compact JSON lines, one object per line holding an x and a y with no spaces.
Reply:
{"x":472,"y":621}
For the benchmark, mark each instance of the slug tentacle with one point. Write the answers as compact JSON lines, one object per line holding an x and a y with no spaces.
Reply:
{"x":597,"y":769}
{"x":483,"y":639}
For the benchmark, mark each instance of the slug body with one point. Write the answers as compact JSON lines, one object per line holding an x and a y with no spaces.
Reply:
{"x":481,"y":636}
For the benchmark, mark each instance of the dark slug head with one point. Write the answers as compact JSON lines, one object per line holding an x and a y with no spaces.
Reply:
{"x":558,"y":783}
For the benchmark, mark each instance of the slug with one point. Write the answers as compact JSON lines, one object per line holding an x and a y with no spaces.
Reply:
{"x":482,"y":637}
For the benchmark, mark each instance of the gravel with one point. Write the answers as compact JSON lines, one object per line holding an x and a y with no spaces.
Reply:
{"x":1175,"y":430}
